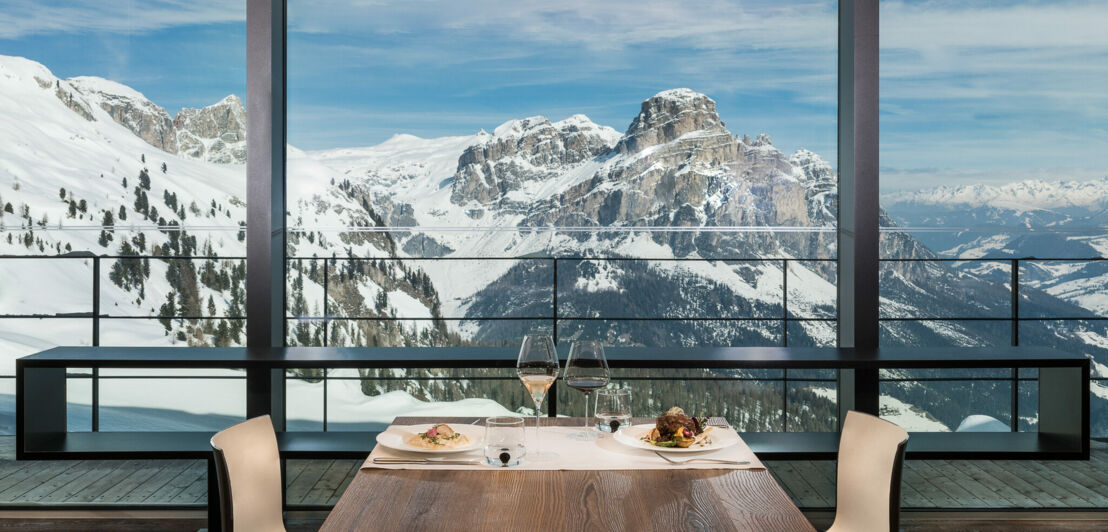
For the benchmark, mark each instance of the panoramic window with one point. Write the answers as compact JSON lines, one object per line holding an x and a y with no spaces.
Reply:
{"x":122,"y":201}
{"x":461,"y":176}
{"x":994,"y":180}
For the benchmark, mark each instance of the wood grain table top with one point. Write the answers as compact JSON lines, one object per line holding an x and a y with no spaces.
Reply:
{"x":507,"y":500}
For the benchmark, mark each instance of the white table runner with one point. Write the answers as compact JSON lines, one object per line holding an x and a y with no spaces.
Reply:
{"x":571,"y":454}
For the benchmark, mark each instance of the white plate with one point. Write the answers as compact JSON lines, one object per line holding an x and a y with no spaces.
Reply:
{"x":396,"y":438}
{"x":632,"y":437}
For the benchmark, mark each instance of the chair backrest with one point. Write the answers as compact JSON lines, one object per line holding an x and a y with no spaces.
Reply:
{"x":248,"y":465}
{"x":871,"y":455}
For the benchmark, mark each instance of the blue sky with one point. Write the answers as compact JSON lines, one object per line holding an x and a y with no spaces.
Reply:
{"x":973,"y":91}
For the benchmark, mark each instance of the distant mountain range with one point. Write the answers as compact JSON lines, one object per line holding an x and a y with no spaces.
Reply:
{"x":676,"y":186}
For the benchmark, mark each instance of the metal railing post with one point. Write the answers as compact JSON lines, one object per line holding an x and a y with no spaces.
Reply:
{"x":785,"y":343}
{"x":555,"y":300}
{"x":785,"y":302}
{"x":552,"y":394}
{"x":1015,"y":282}
{"x":326,"y":298}
{"x":95,"y":342}
{"x":785,"y":400}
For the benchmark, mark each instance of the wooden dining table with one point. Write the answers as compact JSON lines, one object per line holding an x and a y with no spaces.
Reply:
{"x":508,"y":500}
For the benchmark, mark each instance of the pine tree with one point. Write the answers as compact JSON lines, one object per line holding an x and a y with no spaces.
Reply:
{"x":164,"y":168}
{"x":211,"y":306}
{"x":61,"y":193}
{"x":142,"y":204}
{"x":143,"y":157}
{"x":81,"y":206}
{"x":124,"y":182}
{"x":144,"y":178}
{"x":11,"y":210}
{"x":122,"y":212}
{"x":167,"y":310}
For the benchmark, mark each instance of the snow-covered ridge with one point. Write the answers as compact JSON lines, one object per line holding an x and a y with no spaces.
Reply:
{"x":683,"y":95}
{"x":93,"y":84}
{"x":1020,"y":196}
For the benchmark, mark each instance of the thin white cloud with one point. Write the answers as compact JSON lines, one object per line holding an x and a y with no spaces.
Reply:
{"x":20,"y":18}
{"x":607,"y":25}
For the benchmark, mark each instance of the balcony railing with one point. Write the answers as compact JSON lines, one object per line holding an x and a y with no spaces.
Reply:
{"x":556,"y":317}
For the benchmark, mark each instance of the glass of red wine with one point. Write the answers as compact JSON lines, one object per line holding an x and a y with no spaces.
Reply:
{"x":587,"y":371}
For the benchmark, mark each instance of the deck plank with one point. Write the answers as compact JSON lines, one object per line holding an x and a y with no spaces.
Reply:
{"x":962,"y":485}
{"x":68,"y":483}
{"x":798,"y":488}
{"x":919,"y":478}
{"x":330,"y":483}
{"x":30,"y":478}
{"x":146,"y":469}
{"x":981,"y":477}
{"x":1005,"y":474}
{"x":119,"y":471}
{"x":345,"y":482}
{"x":189,"y":473}
{"x":299,"y":490}
{"x":170,"y":470}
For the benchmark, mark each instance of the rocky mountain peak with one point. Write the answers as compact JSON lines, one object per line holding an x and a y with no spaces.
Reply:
{"x":810,"y":166}
{"x":762,"y":141}
{"x":130,"y":109}
{"x":520,"y":127}
{"x":523,"y":150}
{"x":667,"y":116}
{"x":216,"y":133}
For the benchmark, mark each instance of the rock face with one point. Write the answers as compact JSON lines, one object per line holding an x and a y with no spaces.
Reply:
{"x":678,"y":166}
{"x":531,"y":149}
{"x":216,"y":133}
{"x":822,"y":184}
{"x":668,"y":116}
{"x":129,"y":109}
{"x":77,"y":105}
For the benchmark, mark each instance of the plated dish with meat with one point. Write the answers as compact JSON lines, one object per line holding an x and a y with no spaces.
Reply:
{"x":436,"y":438}
{"x":675,"y":431}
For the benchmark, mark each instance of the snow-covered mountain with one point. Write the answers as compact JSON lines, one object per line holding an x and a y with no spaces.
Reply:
{"x":85,"y":152}
{"x":644,"y":194}
{"x":622,"y":211}
{"x":1035,"y":218}
{"x":1023,"y":196}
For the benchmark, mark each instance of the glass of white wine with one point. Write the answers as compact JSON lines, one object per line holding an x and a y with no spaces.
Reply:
{"x":537,"y":368}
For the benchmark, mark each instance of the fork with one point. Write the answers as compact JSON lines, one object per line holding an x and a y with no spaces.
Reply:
{"x":700,"y":459}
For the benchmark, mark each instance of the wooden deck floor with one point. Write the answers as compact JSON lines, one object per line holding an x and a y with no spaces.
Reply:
{"x":981,"y":484}
{"x":977,"y":484}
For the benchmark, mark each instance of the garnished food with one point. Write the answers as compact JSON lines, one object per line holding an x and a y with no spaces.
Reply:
{"x":440,"y":436}
{"x":675,"y":429}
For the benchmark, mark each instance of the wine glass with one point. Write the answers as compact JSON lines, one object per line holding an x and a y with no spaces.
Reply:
{"x":537,"y":368}
{"x":587,"y":370}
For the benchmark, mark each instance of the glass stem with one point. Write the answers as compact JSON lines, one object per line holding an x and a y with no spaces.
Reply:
{"x":538,"y":440}
{"x":586,"y":411}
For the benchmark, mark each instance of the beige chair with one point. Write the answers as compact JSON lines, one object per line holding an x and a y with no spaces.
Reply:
{"x":248,"y":467}
{"x":871,"y":455}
